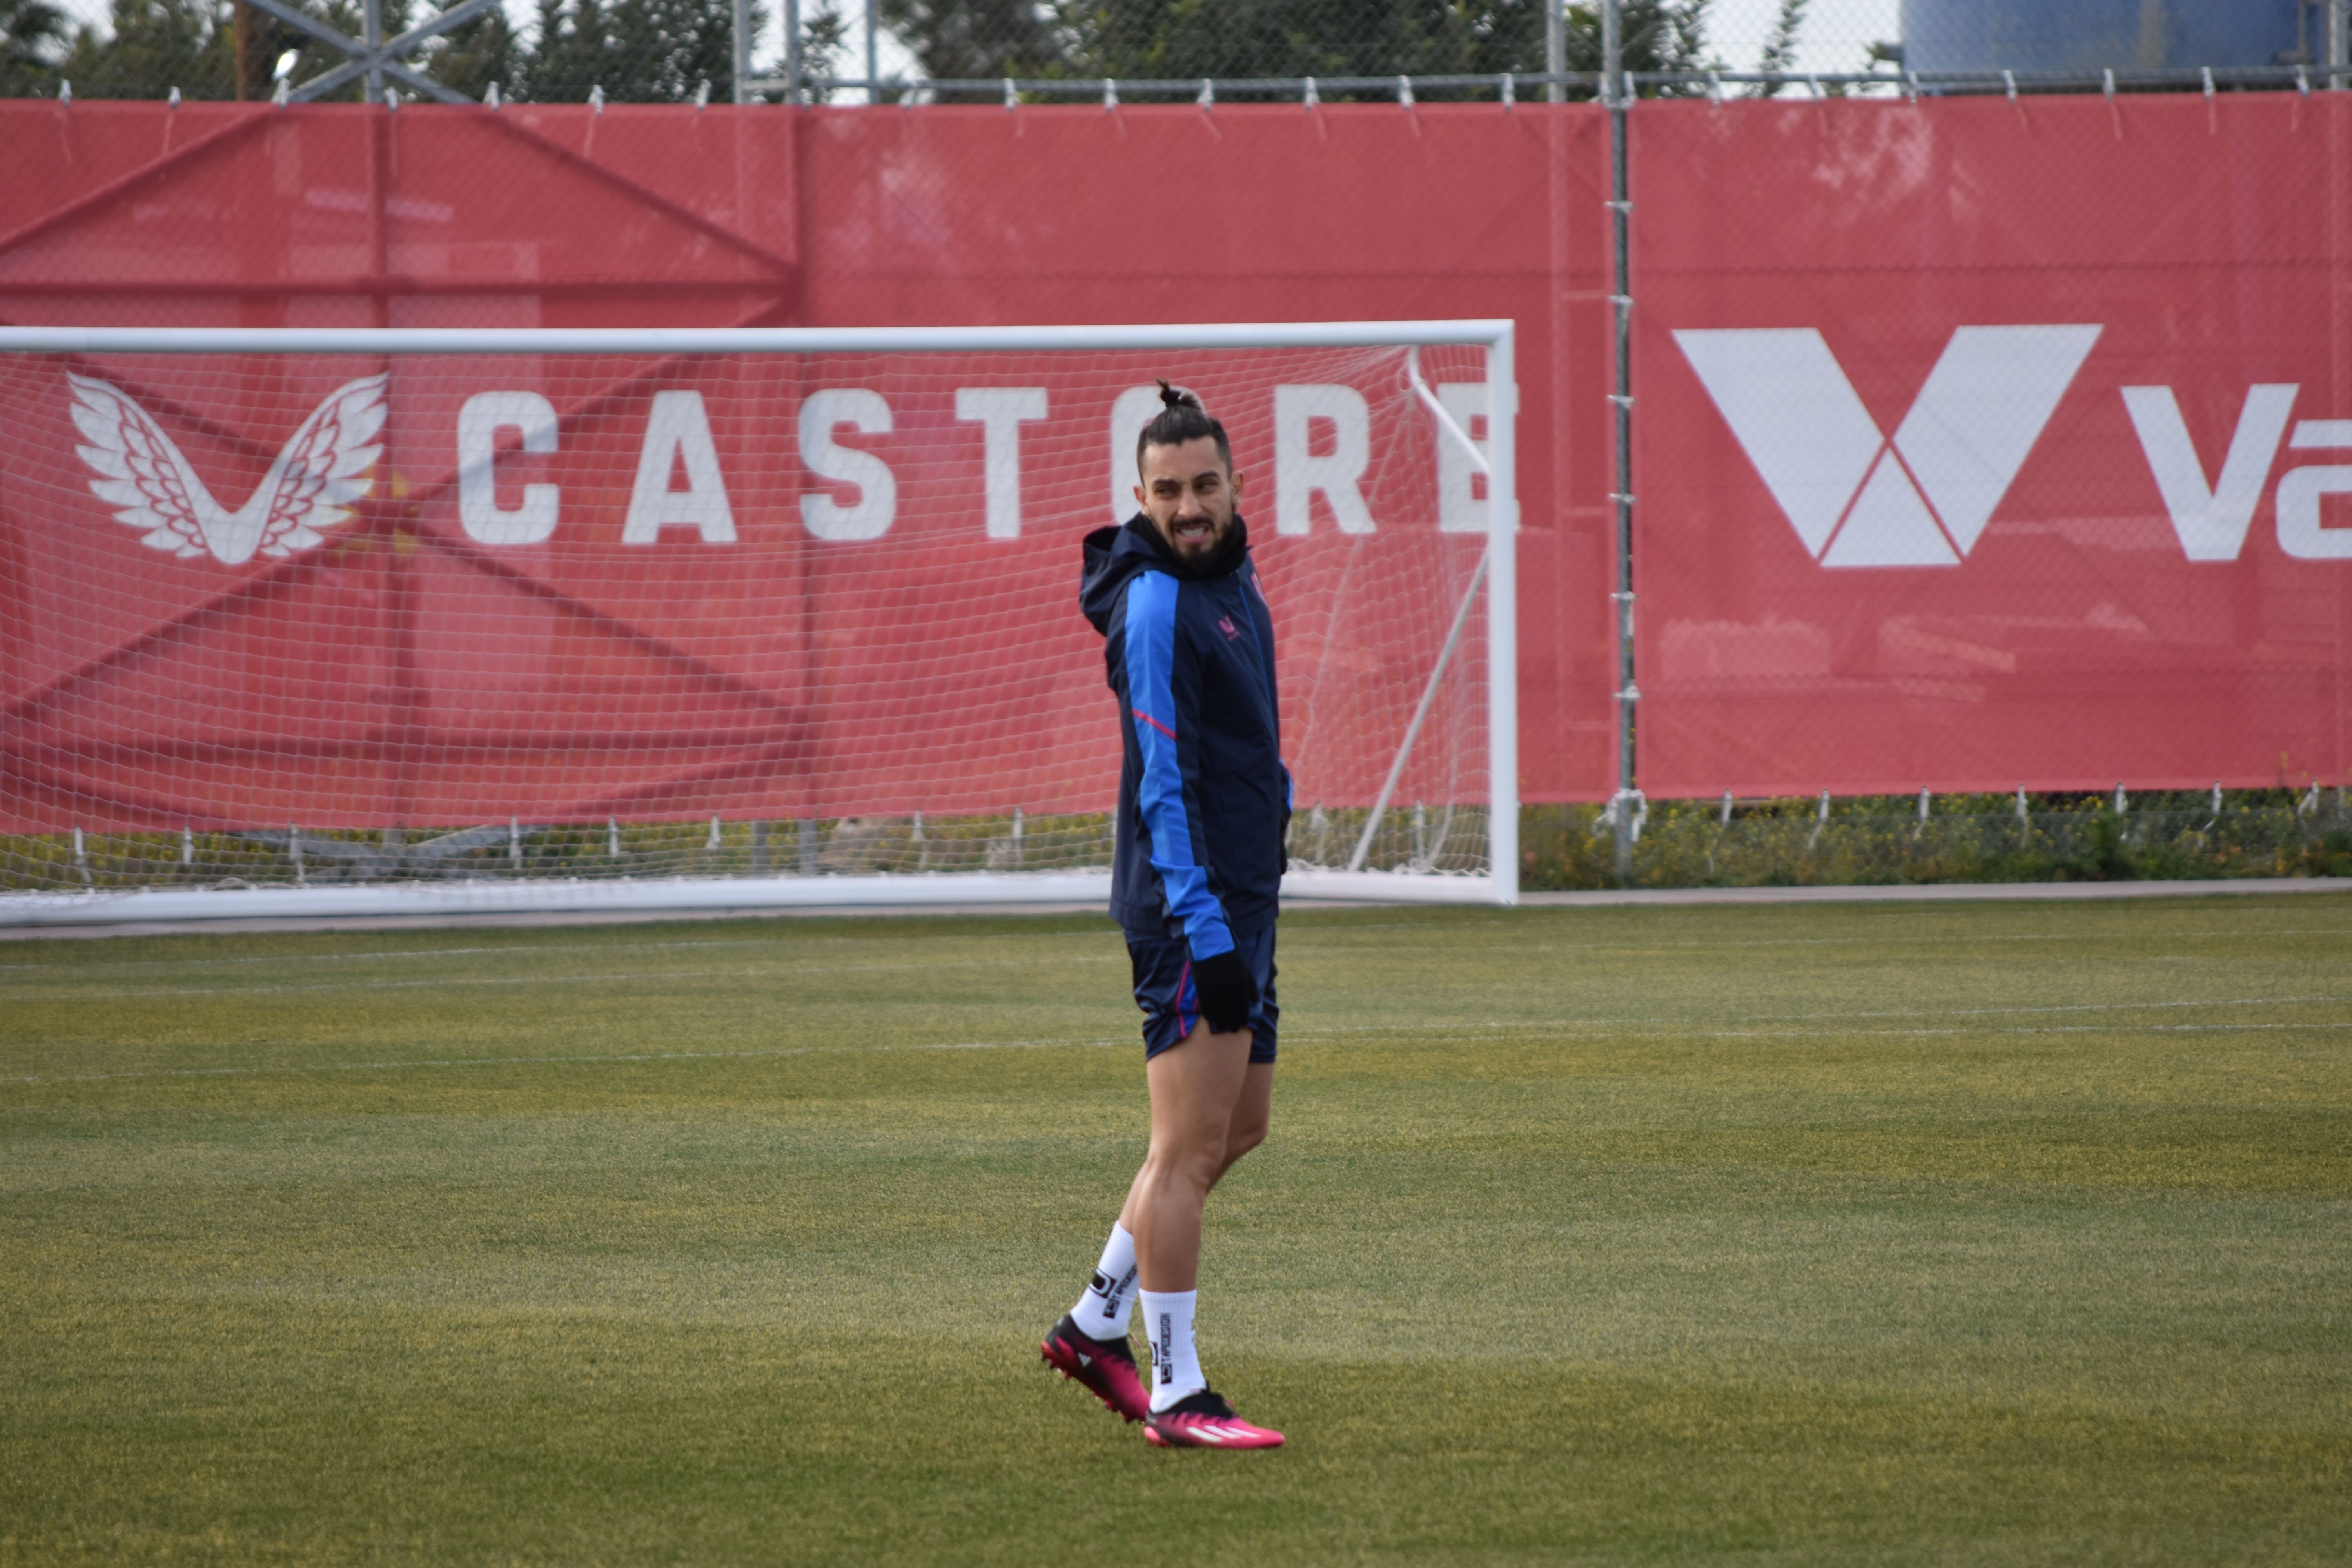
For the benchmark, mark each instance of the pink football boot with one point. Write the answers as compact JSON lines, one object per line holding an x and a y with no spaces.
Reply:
{"x":1203,"y":1420}
{"x":1106,"y":1367}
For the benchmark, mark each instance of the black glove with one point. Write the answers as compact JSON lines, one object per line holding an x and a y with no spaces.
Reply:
{"x":1227,"y":994}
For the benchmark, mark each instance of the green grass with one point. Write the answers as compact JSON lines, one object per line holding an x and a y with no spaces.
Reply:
{"x":1984,"y":1233}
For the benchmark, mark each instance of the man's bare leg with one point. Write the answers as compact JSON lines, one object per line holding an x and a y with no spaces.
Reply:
{"x":1252,"y":1115}
{"x":1112,"y":1377}
{"x":1198,"y":1091}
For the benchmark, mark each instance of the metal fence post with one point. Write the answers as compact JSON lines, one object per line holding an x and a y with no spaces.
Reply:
{"x":372,"y":34}
{"x":1614,"y":93}
{"x":742,"y":22}
{"x":2339,"y":41}
{"x":792,"y":51}
{"x":873,"y":50}
{"x":1555,"y":49}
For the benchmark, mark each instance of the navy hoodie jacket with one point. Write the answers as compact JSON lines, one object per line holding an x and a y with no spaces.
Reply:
{"x":1203,"y":797}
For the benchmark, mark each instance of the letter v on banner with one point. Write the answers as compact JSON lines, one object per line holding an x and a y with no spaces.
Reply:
{"x":2212,"y":523}
{"x":1856,"y":497}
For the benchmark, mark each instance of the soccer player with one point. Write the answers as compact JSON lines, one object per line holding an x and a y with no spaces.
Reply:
{"x":1203,"y":801}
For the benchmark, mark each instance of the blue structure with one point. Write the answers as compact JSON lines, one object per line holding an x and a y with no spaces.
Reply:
{"x":2096,"y":35}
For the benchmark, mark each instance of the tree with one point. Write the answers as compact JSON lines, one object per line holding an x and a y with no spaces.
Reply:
{"x":469,"y":57}
{"x":32,"y":35}
{"x":1237,"y":38}
{"x":647,"y":51}
{"x":1308,"y":37}
{"x":970,"y":38}
{"x":153,"y":47}
{"x":1659,"y":36}
{"x":824,"y":39}
{"x":1779,"y":45}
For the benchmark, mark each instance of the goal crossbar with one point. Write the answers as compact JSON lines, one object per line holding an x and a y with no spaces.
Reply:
{"x":744,"y":339}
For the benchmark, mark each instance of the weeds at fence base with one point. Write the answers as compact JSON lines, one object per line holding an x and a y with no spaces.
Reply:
{"x":1883,"y":839}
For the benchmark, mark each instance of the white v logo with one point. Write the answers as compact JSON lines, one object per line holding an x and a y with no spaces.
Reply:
{"x":1856,"y":497}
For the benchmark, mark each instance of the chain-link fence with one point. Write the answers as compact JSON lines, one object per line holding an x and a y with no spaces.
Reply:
{"x":1415,"y":837}
{"x":515,"y":850}
{"x":1895,"y":341}
{"x":1822,"y":842}
{"x":943,"y":50}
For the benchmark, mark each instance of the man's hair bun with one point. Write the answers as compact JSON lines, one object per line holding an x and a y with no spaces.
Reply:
{"x":1182,"y":418}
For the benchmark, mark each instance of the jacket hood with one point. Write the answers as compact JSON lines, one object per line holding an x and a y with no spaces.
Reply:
{"x":1115,"y":554}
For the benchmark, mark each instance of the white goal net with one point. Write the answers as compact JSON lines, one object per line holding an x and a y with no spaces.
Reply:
{"x":387,"y":619}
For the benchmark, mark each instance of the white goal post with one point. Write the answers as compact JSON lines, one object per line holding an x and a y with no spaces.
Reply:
{"x":333,"y":623}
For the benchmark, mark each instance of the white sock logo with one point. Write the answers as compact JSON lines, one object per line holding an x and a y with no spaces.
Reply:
{"x":1114,"y":1295}
{"x":1163,"y":1349}
{"x":1857,"y":498}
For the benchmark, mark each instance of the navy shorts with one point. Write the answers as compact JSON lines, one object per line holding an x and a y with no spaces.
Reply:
{"x":1163,"y":989}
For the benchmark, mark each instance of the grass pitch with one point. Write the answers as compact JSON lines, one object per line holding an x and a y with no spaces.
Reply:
{"x":1982,"y":1234}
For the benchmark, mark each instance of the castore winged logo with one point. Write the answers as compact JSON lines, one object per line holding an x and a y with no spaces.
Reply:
{"x":143,"y":474}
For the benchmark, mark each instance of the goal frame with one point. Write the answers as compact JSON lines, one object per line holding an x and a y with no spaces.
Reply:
{"x":1500,"y":578}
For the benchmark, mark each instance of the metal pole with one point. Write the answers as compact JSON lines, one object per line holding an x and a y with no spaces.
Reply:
{"x":743,"y":14}
{"x":372,"y":34}
{"x":873,"y":49}
{"x":2339,"y":41}
{"x":792,"y":51}
{"x":1621,"y":401}
{"x":1503,"y":615}
{"x":1555,"y":49}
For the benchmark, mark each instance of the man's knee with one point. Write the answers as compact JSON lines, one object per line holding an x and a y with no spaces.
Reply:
{"x":1197,"y":1158}
{"x":1243,"y":1138}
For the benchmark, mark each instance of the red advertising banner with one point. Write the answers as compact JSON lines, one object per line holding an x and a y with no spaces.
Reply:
{"x":1985,"y":444}
{"x":1978,"y":443}
{"x":411,"y":665}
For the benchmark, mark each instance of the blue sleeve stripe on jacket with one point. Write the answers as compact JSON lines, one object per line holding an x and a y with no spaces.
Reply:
{"x":1150,"y":661}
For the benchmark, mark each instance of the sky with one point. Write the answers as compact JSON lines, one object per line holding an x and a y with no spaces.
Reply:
{"x":1836,"y":32}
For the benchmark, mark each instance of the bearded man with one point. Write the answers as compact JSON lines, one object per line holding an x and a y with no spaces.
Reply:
{"x":1203,"y":800}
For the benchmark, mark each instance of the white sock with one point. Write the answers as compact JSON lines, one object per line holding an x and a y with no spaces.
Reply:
{"x":1102,"y":1311}
{"x":1175,"y":1365}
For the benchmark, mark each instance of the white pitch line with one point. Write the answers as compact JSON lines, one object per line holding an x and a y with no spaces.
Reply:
{"x":1486,"y":1029}
{"x":1945,"y":940}
{"x":2076,"y":1007}
{"x":2022,"y":1029}
{"x":74,"y":994}
{"x":397,"y":953}
{"x":521,"y":948}
{"x":1336,"y":1031}
{"x":624,"y":1057}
